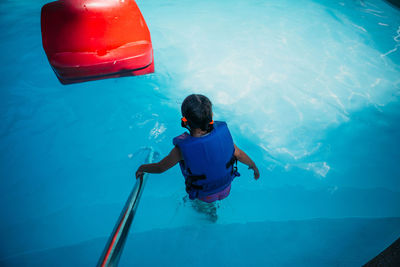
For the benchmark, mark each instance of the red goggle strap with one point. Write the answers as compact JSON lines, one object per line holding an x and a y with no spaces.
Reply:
{"x":185,"y":120}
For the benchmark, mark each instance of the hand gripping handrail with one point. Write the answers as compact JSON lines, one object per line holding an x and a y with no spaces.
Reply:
{"x":116,"y":242}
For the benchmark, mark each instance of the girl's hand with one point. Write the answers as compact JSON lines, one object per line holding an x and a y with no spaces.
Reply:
{"x":139,"y":172}
{"x":256,"y":172}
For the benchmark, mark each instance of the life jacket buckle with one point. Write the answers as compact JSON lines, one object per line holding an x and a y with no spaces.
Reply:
{"x":191,"y":179}
{"x":233,"y":163}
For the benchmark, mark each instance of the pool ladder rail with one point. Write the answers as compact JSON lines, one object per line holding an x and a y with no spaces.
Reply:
{"x":115,"y":244}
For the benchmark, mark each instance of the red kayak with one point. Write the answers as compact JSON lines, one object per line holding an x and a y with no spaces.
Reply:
{"x":88,"y":40}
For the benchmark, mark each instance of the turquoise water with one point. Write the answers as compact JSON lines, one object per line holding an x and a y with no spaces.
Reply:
{"x":309,"y":89}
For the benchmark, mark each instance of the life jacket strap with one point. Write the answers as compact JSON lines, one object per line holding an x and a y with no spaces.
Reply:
{"x":233,"y":163}
{"x":191,"y":179}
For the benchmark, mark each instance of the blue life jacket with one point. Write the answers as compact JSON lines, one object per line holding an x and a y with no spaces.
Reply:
{"x":208,"y":161}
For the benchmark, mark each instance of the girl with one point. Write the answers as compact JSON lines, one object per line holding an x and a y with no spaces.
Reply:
{"x":207,"y":156}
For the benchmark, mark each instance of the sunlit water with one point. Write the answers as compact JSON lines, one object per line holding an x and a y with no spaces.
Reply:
{"x":309,"y":89}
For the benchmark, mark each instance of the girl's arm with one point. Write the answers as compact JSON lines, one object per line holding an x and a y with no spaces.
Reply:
{"x":243,"y":158}
{"x":169,"y":161}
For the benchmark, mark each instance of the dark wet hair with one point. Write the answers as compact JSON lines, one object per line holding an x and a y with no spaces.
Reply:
{"x":197,"y":109}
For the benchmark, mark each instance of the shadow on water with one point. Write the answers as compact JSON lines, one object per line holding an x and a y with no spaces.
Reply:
{"x":395,"y":3}
{"x":318,"y":242}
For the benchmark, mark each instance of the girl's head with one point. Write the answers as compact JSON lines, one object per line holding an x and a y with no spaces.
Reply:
{"x":197,"y":109}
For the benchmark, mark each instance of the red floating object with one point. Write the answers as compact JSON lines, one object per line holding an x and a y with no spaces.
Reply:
{"x":88,"y":40}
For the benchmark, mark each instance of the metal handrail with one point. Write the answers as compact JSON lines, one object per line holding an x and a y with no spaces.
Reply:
{"x":115,"y":244}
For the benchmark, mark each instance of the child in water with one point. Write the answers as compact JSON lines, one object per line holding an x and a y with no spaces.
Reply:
{"x":207,"y":156}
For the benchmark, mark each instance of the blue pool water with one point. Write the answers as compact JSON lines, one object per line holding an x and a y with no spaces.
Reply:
{"x":310,"y":90}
